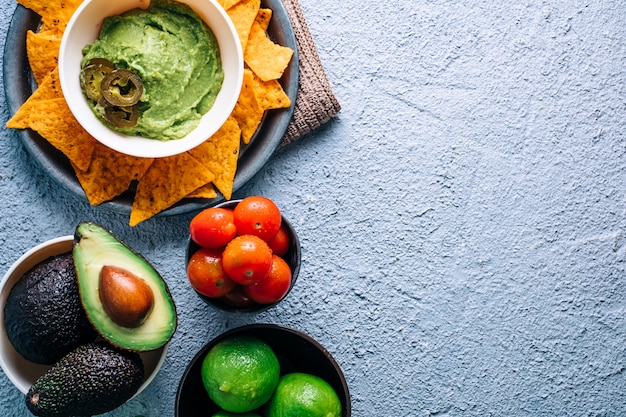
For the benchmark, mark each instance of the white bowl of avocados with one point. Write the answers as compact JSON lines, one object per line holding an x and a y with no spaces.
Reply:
{"x":44,"y":269}
{"x":180,"y":65}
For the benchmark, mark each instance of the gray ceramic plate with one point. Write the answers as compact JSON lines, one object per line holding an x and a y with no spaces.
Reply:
{"x":19,"y":85}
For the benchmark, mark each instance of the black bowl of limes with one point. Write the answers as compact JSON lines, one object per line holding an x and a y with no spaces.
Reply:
{"x":263,"y":370}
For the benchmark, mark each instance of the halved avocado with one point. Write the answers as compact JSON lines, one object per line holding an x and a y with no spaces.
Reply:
{"x":112,"y":281}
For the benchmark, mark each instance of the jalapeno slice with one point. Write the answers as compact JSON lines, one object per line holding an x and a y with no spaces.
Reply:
{"x":122,"y":88}
{"x":119,"y":116}
{"x":92,"y":75}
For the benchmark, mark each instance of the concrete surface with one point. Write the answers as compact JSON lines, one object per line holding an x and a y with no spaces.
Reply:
{"x":463,"y":220}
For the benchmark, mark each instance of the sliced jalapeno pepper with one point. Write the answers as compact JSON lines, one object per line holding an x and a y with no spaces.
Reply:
{"x":123,"y":117}
{"x":122,"y":88}
{"x":92,"y":75}
{"x":102,"y":62}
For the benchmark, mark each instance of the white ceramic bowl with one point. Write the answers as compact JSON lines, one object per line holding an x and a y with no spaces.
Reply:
{"x":84,"y":27}
{"x":23,"y":373}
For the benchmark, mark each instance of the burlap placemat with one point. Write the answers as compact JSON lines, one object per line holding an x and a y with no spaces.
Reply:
{"x":315,"y":102}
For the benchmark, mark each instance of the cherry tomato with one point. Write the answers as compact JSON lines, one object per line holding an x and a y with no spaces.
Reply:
{"x":237,"y":298}
{"x":280,"y":242}
{"x":275,"y":286}
{"x":247,"y":259}
{"x":258,"y":216}
{"x":206,"y":273}
{"x":213,"y":227}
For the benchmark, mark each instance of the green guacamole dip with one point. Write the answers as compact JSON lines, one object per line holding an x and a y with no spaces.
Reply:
{"x":177,"y":57}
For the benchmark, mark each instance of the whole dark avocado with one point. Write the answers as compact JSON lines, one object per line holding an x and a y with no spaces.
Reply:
{"x":43,"y":315}
{"x":94,"y":378}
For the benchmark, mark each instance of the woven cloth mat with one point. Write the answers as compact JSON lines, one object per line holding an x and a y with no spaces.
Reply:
{"x":315,"y":102}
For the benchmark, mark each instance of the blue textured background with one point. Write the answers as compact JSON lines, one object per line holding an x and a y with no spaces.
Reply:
{"x":463,"y":220}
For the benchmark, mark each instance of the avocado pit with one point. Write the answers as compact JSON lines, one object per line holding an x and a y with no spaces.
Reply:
{"x":125,"y":297}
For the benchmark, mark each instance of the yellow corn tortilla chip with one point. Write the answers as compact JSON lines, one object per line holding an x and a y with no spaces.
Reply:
{"x":242,"y":15}
{"x":220,"y":155}
{"x":166,"y":182}
{"x":50,"y":88}
{"x":54,"y":13}
{"x":227,"y":4}
{"x":42,"y":50}
{"x":64,"y":133}
{"x":270,"y":94}
{"x":263,"y":18}
{"x":248,"y":112}
{"x":110,"y":174}
{"x":267,"y":59}
{"x":206,"y":191}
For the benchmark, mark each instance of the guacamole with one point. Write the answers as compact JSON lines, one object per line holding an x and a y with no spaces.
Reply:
{"x":176,"y":56}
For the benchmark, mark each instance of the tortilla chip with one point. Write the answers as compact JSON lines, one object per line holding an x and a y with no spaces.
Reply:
{"x":227,"y":4}
{"x":42,"y":50}
{"x":242,"y":15}
{"x":110,"y":174}
{"x":50,"y":88}
{"x":54,"y":14}
{"x":267,"y":59}
{"x":64,"y":133}
{"x":206,"y":191}
{"x":166,"y":182}
{"x":220,"y":155}
{"x":270,"y":94}
{"x":263,"y":18}
{"x":248,"y":112}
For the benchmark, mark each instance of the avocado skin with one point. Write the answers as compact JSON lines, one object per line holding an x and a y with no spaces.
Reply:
{"x":94,"y":378}
{"x":43,"y":315}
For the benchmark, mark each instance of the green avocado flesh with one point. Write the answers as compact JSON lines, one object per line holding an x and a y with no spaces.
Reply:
{"x":94,"y":378}
{"x":94,"y":248}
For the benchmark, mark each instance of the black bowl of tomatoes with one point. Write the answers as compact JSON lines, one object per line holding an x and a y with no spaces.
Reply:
{"x":243,"y":256}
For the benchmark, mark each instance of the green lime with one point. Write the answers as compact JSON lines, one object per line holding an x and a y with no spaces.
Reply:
{"x":228,"y":414}
{"x":304,"y":395}
{"x":240,"y":373}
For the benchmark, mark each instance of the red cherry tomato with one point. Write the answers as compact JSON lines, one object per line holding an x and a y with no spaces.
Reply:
{"x":206,"y":274}
{"x":275,"y":286}
{"x":237,"y":298}
{"x":280,"y":242}
{"x":258,"y":216}
{"x":213,"y":227}
{"x":247,"y":259}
